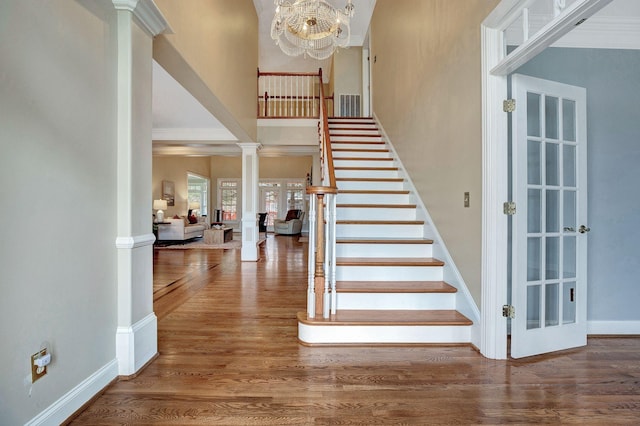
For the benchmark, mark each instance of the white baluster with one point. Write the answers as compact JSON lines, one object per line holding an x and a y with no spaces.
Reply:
{"x":311,"y":295}
{"x":332,"y":244}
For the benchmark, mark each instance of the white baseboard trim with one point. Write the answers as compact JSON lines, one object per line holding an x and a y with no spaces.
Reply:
{"x":613,"y":327}
{"x":382,"y":334}
{"x":136,"y":344}
{"x":69,"y":403}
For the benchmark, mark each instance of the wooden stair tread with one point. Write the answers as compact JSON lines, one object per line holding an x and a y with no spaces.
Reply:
{"x":358,"y":142}
{"x":390,"y":318}
{"x":370,"y":179}
{"x":363,"y":159}
{"x":384,"y":241}
{"x":386,"y":169}
{"x":355,"y":135}
{"x":394,"y":287}
{"x":359,"y":150}
{"x":388,"y":261}
{"x":380,"y":222}
{"x":378,"y":206}
{"x":373,"y":191}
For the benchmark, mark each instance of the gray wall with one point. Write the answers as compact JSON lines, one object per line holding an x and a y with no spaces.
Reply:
{"x":612,"y":80}
{"x":58,"y":214}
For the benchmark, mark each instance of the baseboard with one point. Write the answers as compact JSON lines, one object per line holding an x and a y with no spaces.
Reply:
{"x":613,"y":327}
{"x":73,"y":400}
{"x":136,"y":345}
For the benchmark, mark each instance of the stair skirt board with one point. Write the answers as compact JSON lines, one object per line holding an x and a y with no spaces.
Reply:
{"x":395,"y":301}
{"x":378,"y":334}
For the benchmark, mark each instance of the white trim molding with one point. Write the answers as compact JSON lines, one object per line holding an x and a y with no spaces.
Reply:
{"x":192,"y":134}
{"x":73,"y":400}
{"x":136,"y":345}
{"x":613,"y":327}
{"x":135,"y":242}
{"x":146,"y":13}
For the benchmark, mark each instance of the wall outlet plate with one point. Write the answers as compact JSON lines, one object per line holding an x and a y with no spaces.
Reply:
{"x":37,"y":373}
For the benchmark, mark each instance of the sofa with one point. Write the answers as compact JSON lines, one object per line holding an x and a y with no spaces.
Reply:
{"x":291,"y":225}
{"x":180,"y":229}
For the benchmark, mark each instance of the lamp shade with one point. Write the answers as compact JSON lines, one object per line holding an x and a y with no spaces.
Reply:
{"x":159,"y":204}
{"x":194,"y":205}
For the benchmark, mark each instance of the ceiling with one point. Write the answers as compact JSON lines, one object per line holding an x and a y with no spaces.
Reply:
{"x":182,"y":126}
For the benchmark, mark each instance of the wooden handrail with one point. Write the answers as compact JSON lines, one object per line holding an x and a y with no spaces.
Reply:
{"x":322,"y":227}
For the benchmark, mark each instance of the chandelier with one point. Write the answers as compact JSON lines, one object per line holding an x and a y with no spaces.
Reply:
{"x":311,"y":27}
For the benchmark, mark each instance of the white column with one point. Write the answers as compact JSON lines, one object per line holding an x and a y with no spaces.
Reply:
{"x":250,"y":176}
{"x":136,"y":334}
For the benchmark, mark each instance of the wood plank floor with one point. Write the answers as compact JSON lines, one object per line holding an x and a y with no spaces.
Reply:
{"x":229,"y":355}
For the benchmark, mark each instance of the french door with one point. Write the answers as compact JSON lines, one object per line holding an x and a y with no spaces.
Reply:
{"x":549,"y":246}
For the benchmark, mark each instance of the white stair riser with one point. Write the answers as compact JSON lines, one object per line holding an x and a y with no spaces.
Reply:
{"x":367,"y":198}
{"x":347,"y":145}
{"x":351,"y":130}
{"x":379,"y":231}
{"x":366,"y":173}
{"x":396,"y":301}
{"x":361,"y":154}
{"x":339,"y":162}
{"x":371,"y":185}
{"x":383,"y":334}
{"x":366,"y":213}
{"x":388,"y":273}
{"x":356,"y":138}
{"x":383,"y":250}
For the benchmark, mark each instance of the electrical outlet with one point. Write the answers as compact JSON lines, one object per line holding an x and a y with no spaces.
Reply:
{"x":37,"y":372}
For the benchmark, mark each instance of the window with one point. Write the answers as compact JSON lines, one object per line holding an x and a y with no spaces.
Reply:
{"x":295,"y":195}
{"x":228,"y":193}
{"x":198,"y":192}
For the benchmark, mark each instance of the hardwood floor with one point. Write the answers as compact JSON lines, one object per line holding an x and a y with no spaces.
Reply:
{"x":229,"y":355}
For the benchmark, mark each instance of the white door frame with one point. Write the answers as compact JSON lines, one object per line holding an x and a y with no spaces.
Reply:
{"x":496,"y":65}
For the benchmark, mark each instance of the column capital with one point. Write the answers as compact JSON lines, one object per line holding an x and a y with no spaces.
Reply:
{"x":147,"y":14}
{"x":250,"y":146}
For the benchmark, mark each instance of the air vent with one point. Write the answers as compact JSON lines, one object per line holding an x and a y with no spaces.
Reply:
{"x":350,"y":105}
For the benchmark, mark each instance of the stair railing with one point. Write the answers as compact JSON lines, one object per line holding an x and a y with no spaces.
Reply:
{"x":290,"y":95}
{"x":321,"y":290}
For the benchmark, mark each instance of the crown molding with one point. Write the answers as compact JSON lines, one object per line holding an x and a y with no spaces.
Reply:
{"x":147,"y":14}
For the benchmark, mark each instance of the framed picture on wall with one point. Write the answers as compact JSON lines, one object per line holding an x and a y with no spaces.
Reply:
{"x":169,"y":192}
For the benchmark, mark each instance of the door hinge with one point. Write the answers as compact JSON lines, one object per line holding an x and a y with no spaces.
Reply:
{"x":509,"y":208}
{"x":509,"y":105}
{"x":508,"y":311}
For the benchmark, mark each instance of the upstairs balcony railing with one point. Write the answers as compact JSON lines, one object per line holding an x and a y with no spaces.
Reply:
{"x":291,"y":95}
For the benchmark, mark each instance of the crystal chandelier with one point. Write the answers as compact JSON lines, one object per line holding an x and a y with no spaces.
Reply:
{"x":311,"y":27}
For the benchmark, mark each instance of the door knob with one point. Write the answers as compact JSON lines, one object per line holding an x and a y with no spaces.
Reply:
{"x":583,"y":229}
{"x":569,"y":229}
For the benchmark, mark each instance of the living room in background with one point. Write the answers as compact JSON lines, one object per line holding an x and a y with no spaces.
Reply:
{"x":277,"y":196}
{"x":198,"y":193}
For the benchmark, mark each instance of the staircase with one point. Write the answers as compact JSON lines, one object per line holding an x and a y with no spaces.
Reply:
{"x":390,"y":288}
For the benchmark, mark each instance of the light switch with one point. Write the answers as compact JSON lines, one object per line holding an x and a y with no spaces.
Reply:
{"x":466,"y":199}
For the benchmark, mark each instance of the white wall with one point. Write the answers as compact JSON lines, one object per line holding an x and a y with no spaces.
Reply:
{"x":58,"y":174}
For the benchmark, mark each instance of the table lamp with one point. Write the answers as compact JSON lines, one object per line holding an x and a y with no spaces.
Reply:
{"x":160,"y":205}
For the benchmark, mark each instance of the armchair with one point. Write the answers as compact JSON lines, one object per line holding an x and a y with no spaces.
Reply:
{"x":291,"y":225}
